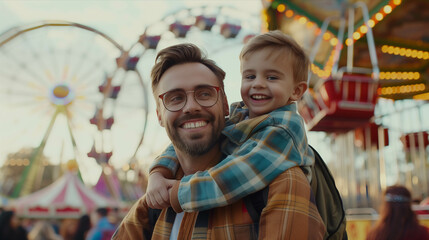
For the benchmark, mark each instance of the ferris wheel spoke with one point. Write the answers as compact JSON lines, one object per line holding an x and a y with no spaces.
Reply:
{"x":35,"y":52}
{"x":36,"y":59}
{"x":91,"y":82}
{"x":67,"y":62}
{"x":88,"y":99}
{"x":88,"y":93}
{"x":74,"y":72}
{"x":30,"y":123}
{"x":54,"y":59}
{"x":85,"y":73}
{"x":17,"y":107}
{"x":22,"y":103}
{"x":25,"y":69}
{"x":83,"y":109}
{"x":80,"y":118}
{"x":88,"y":74}
{"x":87,"y":89}
{"x":12,"y":80}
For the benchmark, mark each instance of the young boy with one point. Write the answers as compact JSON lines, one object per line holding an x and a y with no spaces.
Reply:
{"x":264,"y":135}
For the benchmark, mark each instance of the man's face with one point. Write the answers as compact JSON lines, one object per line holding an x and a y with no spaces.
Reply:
{"x":267,"y":82}
{"x":194,"y":129}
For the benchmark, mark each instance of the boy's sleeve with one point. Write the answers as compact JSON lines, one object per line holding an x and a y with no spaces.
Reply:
{"x":257,"y":162}
{"x":166,"y":163}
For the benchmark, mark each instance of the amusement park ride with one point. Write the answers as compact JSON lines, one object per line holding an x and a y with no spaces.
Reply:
{"x":368,"y":90}
{"x":61,"y":74}
{"x":84,"y":94}
{"x":346,"y":99}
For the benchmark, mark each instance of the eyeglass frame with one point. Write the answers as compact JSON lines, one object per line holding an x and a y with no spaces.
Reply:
{"x":218,"y":89}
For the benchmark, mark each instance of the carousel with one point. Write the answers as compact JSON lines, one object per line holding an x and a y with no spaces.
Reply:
{"x":368,"y":95}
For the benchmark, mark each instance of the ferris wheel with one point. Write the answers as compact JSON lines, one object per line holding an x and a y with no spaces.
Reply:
{"x":214,"y":28}
{"x":69,"y":93}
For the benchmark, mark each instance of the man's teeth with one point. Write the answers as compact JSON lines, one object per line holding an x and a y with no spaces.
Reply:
{"x":194,"y":124}
{"x":259,"y":97}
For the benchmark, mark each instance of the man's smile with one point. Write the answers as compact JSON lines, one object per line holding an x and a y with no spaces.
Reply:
{"x":194,"y":124}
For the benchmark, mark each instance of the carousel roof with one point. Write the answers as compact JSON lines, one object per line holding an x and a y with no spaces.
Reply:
{"x":67,"y":197}
{"x":398,"y":27}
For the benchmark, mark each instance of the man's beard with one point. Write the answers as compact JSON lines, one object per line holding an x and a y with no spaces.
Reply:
{"x":196,"y":148}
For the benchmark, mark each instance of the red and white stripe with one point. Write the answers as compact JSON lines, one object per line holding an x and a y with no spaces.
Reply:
{"x":67,"y":197}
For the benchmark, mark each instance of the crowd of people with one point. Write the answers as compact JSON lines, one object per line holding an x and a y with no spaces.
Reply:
{"x":100,"y":225}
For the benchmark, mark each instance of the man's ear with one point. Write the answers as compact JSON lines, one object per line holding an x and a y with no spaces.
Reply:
{"x":225,"y":104}
{"x":159,"y":118}
{"x":299,"y":90}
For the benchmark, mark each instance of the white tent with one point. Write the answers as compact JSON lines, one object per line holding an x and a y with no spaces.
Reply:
{"x":67,"y":197}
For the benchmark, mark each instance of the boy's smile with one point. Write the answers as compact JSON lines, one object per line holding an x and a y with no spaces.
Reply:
{"x":259,"y":97}
{"x":267,"y":81}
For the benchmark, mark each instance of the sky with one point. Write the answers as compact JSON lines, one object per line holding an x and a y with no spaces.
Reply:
{"x":25,"y":119}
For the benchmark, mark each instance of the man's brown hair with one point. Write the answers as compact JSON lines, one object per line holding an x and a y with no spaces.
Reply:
{"x":180,"y":54}
{"x":280,"y":43}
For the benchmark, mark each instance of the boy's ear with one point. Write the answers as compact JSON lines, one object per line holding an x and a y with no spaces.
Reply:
{"x":299,"y":90}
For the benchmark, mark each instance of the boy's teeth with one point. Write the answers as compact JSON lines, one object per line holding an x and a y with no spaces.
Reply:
{"x":194,"y":124}
{"x":259,"y":97}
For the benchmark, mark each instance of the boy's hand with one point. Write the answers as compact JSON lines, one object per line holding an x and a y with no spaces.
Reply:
{"x":157,"y":194}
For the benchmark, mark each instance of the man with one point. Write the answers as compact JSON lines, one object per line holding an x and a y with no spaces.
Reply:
{"x":194,"y":127}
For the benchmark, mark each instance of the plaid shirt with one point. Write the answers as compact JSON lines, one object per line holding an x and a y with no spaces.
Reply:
{"x":289,"y":214}
{"x":258,"y":149}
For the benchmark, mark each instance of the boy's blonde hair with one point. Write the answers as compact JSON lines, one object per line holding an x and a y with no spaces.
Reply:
{"x":277,"y":41}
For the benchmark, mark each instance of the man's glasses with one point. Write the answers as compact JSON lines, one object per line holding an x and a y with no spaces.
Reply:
{"x":175,"y":100}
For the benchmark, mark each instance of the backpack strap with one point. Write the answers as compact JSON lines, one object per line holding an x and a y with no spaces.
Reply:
{"x":255,"y":202}
{"x":328,"y":199}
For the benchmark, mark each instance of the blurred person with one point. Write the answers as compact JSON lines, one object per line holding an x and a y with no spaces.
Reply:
{"x":397,"y":220}
{"x":28,"y":223}
{"x":103,"y":228}
{"x":68,"y":228}
{"x":43,"y":230}
{"x":114,"y":216}
{"x":83,"y":227}
{"x":10,"y":227}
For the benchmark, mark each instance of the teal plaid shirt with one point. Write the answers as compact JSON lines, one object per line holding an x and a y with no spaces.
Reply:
{"x":258,"y":149}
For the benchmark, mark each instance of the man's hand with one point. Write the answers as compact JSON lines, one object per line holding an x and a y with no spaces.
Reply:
{"x":157,"y":194}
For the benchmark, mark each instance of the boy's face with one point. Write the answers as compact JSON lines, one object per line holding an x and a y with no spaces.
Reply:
{"x":267,"y":82}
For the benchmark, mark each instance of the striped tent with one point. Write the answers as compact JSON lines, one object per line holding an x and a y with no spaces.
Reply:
{"x":67,"y":197}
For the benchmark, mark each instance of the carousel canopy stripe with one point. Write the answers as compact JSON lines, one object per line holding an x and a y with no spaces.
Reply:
{"x":68,"y":192}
